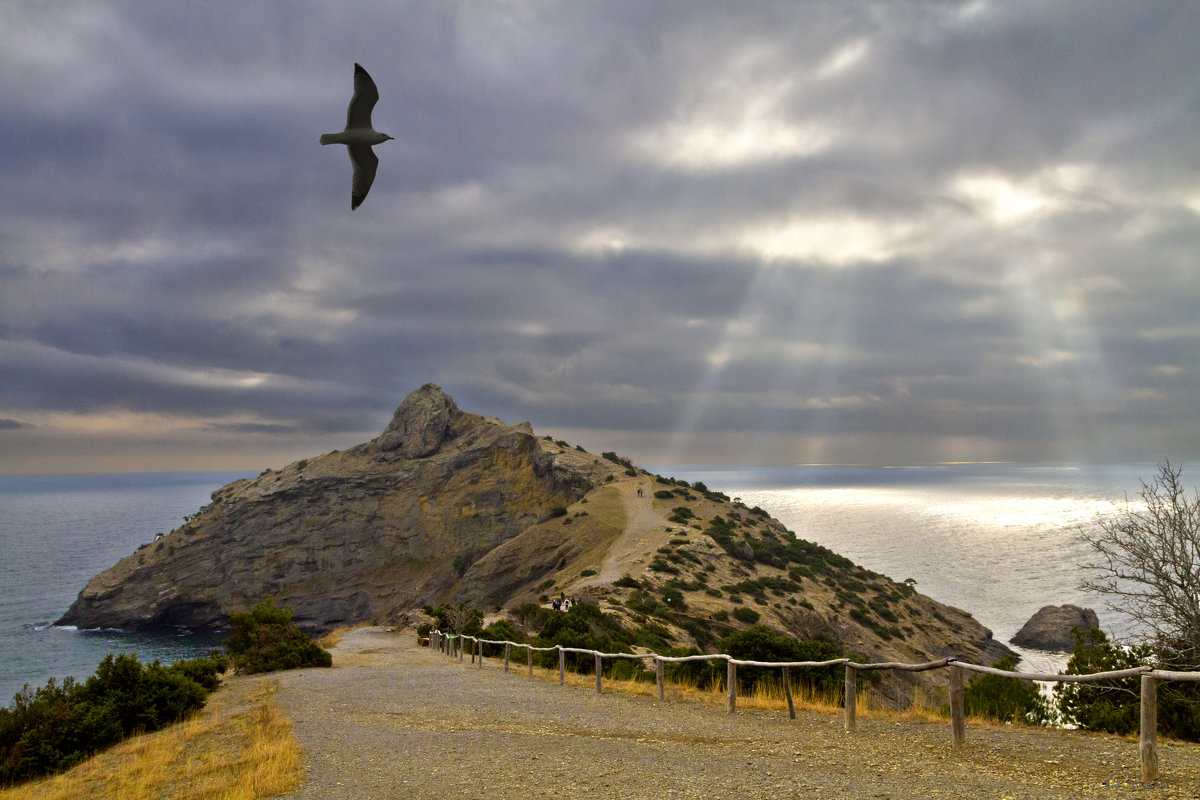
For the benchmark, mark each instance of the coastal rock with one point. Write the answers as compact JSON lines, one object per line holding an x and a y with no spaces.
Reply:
{"x":1050,"y":628}
{"x":446,"y":506}
{"x":349,"y":535}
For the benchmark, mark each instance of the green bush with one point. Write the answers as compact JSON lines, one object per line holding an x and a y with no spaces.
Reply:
{"x":761,"y":643}
{"x":265,"y":640}
{"x":1113,"y":706}
{"x":673,"y":598}
{"x":1110,"y":706}
{"x":61,"y":724}
{"x":746,"y":615}
{"x":616,"y":459}
{"x":587,"y":627}
{"x":499,"y":631}
{"x":1005,"y":699}
{"x":664,"y":494}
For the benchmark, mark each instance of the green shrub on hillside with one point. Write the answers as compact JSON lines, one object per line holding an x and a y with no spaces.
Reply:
{"x":265,"y":640}
{"x":1113,"y":706}
{"x":761,"y":643}
{"x":746,"y":615}
{"x":61,"y":724}
{"x":587,"y":627}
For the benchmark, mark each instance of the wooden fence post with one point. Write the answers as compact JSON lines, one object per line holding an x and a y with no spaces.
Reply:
{"x":851,"y":697}
{"x":787,"y":692}
{"x":658,"y":675}
{"x":958,"y":723}
{"x":474,"y":650}
{"x":599,"y":671}
{"x":529,"y":659}
{"x":731,"y":680}
{"x":479,"y":650}
{"x":1148,"y":744}
{"x":507,"y":653}
{"x":562,"y":666}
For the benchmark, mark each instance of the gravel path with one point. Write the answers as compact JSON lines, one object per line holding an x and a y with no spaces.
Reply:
{"x":396,"y":720}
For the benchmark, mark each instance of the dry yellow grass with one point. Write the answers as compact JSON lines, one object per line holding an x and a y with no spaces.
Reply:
{"x":240,"y":747}
{"x":767,"y":695}
{"x":330,"y":640}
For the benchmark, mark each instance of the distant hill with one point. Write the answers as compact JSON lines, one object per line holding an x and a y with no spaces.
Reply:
{"x":448,"y":506}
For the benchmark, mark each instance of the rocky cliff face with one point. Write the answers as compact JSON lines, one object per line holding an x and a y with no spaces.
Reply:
{"x":348,"y":536}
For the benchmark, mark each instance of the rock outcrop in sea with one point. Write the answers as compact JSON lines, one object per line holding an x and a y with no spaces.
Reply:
{"x":1050,"y":628}
{"x":449,"y":506}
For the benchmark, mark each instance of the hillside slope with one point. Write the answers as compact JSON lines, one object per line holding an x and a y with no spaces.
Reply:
{"x":447,"y":506}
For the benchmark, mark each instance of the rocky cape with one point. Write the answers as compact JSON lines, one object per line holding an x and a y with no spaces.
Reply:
{"x":449,"y":506}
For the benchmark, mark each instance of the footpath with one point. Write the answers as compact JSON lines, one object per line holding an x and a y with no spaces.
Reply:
{"x":395,"y":720}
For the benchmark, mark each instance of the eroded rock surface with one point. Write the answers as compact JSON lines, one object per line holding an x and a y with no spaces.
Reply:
{"x":347,"y":536}
{"x":1050,"y":628}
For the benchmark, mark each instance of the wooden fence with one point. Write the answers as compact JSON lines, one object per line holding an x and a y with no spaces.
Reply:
{"x":452,"y":645}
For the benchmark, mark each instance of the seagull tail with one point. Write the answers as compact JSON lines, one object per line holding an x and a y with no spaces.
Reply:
{"x":329,"y":138}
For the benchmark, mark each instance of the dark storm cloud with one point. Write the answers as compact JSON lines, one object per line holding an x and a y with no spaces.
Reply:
{"x":935,"y":222}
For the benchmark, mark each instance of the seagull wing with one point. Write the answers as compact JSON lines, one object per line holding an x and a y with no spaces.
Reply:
{"x":365,"y":163}
{"x":364,"y":99}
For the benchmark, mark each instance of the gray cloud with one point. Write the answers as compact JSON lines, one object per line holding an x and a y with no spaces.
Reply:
{"x":904,"y":231}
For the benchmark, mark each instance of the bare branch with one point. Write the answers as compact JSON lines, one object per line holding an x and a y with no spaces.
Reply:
{"x":1147,"y":562}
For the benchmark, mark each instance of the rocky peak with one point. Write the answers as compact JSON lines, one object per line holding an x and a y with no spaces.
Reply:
{"x":421,"y":423}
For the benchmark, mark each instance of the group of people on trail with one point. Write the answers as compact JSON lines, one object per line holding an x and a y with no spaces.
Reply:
{"x":561,"y":603}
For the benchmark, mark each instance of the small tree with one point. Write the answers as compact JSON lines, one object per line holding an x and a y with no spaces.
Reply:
{"x":463,"y":618}
{"x":1110,"y":705}
{"x":264,"y":640}
{"x":1148,"y":564}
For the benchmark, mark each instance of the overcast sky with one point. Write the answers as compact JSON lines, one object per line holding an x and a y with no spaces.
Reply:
{"x":693,"y":232}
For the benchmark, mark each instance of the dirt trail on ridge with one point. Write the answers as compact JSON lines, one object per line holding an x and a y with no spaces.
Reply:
{"x":643,"y":533}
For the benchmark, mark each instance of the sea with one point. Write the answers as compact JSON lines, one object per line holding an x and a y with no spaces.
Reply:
{"x":56,"y":532}
{"x":997,"y":540}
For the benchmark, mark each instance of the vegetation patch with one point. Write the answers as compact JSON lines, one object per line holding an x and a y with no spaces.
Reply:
{"x":265,"y":640}
{"x":59,"y":725}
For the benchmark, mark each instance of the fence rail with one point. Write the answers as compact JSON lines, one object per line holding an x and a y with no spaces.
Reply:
{"x":452,"y":644}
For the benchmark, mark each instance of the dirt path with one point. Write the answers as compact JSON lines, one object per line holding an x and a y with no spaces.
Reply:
{"x":393,"y":720}
{"x":642,"y":532}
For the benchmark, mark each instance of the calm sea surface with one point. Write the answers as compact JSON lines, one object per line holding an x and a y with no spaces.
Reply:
{"x":996,"y":540}
{"x":56,"y":532}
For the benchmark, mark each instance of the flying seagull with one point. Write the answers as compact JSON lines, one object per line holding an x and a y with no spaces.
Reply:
{"x":359,"y":135}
